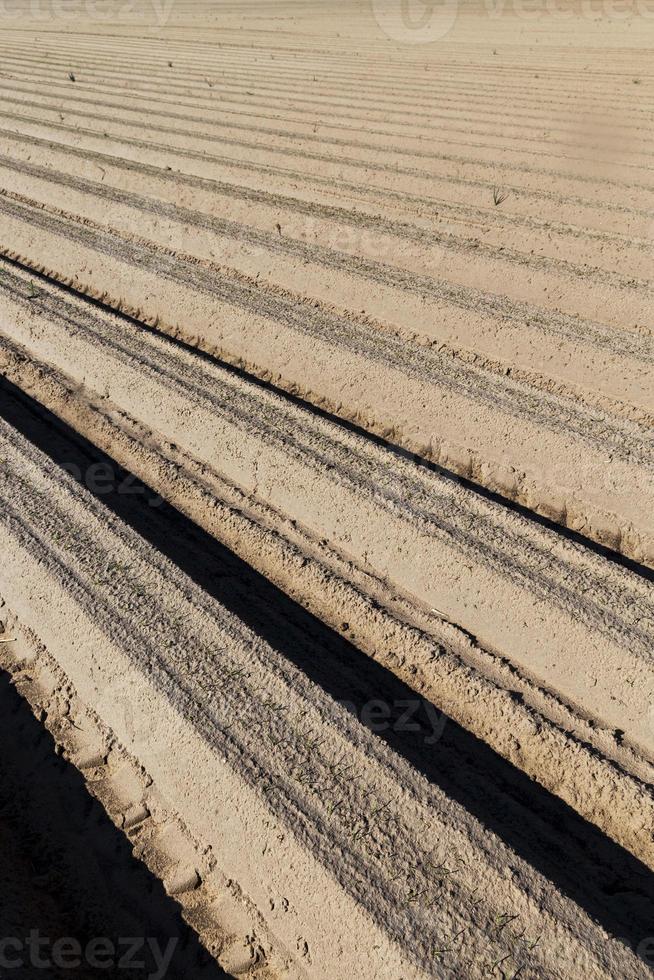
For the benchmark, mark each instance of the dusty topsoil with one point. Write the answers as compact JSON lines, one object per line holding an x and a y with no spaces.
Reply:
{"x":326,"y":497}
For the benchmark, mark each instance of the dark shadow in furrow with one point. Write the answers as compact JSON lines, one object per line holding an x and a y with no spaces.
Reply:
{"x":614,"y":888}
{"x":576,"y":537}
{"x":69,"y":873}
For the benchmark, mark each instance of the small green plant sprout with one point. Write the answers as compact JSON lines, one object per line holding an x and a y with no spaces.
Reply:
{"x":32,"y":291}
{"x":499,"y":196}
{"x":514,"y":974}
{"x":416,"y":895}
{"x":71,"y":75}
{"x":363,"y":830}
{"x":305,"y":775}
{"x":273,"y":705}
{"x":378,"y":809}
{"x":314,"y":743}
{"x":338,"y":769}
{"x":332,"y":806}
{"x":440,"y":871}
{"x":496,"y":964}
{"x":502,"y":921}
{"x":477,"y":901}
{"x":439,"y":954}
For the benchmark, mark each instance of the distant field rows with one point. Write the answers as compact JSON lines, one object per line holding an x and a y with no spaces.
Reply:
{"x":449,"y":345}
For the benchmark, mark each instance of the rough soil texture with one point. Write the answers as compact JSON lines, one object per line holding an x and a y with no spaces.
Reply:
{"x":326,"y":217}
{"x":323,"y":805}
{"x":326,"y":429}
{"x":68,"y":870}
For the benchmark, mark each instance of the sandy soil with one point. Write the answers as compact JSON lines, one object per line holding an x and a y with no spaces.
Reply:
{"x":326,"y":432}
{"x":327,"y":807}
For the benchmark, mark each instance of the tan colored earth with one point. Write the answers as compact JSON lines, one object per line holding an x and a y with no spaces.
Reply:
{"x":326,"y":485}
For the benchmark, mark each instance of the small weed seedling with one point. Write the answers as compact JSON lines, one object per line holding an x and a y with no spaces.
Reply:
{"x":501,"y":921}
{"x":499,"y":196}
{"x":332,"y":806}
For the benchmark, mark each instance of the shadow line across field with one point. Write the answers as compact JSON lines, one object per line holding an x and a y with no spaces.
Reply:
{"x":69,"y":873}
{"x":599,"y":875}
